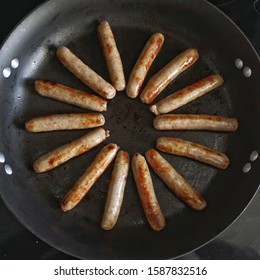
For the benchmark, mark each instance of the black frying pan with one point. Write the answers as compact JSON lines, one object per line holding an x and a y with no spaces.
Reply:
{"x":34,"y":199}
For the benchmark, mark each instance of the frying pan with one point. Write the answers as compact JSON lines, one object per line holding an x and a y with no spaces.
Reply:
{"x":29,"y":54}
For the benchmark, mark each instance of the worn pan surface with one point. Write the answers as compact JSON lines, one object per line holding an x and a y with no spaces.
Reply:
{"x":34,"y":199}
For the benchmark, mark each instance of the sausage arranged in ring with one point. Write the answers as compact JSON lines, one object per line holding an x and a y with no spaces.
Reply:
{"x":65,"y":122}
{"x":112,"y":56}
{"x":116,"y":190}
{"x":175,"y":182}
{"x":143,"y":64}
{"x":194,"y":122}
{"x":68,"y":151}
{"x":167,"y":74}
{"x":89,"y":177}
{"x":146,"y":193}
{"x":70,"y":95}
{"x":186,"y":95}
{"x":192,"y":150}
{"x":85,"y":73}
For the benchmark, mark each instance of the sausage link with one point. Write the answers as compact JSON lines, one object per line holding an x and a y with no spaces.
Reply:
{"x":175,"y":182}
{"x":146,"y":193}
{"x":85,"y":73}
{"x":143,"y":64}
{"x":70,"y":150}
{"x":194,"y":122}
{"x":65,"y":122}
{"x":192,"y":150}
{"x":186,"y":95}
{"x":167,"y":74}
{"x":116,"y":191}
{"x":89,"y":177}
{"x":70,"y":95}
{"x":112,"y":56}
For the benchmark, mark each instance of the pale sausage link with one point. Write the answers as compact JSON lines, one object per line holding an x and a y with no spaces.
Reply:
{"x":89,"y":177}
{"x":116,"y":190}
{"x":70,"y":95}
{"x":194,"y":122}
{"x":68,"y":151}
{"x":65,"y":122}
{"x":85,"y":73}
{"x":176,"y":183}
{"x":167,"y":74}
{"x":143,"y":64}
{"x":112,"y":56}
{"x":192,"y":150}
{"x":186,"y":95}
{"x":146,"y":193}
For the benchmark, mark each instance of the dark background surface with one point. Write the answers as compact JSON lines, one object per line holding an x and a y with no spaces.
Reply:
{"x":240,"y":241}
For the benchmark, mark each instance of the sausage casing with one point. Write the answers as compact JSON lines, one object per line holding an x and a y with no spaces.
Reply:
{"x":116,"y":190}
{"x":167,"y":74}
{"x":143,"y":64}
{"x":70,"y":95}
{"x":175,"y":182}
{"x":192,"y":150}
{"x":112,"y":56}
{"x":146,"y":193}
{"x":186,"y":95}
{"x":194,"y":122}
{"x":89,"y":177}
{"x":68,"y":151}
{"x":65,"y":122}
{"x":85,"y":73}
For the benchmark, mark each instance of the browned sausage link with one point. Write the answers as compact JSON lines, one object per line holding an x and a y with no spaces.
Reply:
{"x":146,"y":192}
{"x":65,"y":122}
{"x":85,"y":74}
{"x":143,"y":64}
{"x":89,"y":177}
{"x":68,"y":151}
{"x":167,"y":74}
{"x":70,"y":95}
{"x":194,"y":122}
{"x":192,"y":150}
{"x":176,"y":183}
{"x":116,"y":191}
{"x":186,"y":95}
{"x":112,"y":56}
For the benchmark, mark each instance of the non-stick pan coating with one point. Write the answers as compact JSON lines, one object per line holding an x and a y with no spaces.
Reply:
{"x":34,"y":199}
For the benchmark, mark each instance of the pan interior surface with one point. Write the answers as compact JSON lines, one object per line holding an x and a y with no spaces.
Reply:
{"x":34,"y":198}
